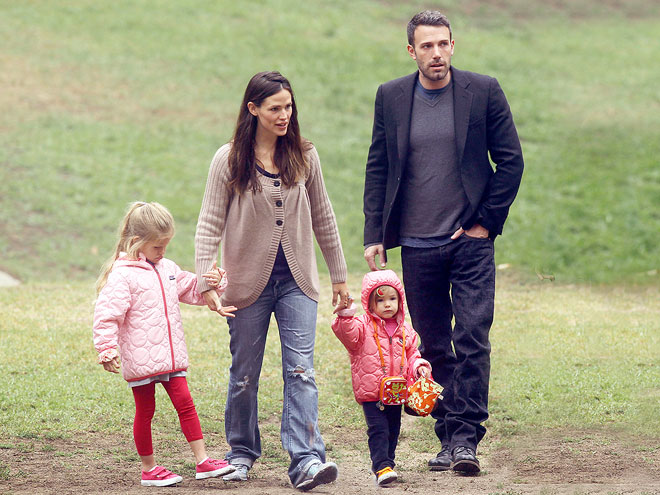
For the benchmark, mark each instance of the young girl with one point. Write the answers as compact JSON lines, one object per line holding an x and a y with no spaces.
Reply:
{"x":137,"y":311}
{"x":375,"y":343}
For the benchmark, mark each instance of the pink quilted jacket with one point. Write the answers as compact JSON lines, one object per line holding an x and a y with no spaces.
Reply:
{"x":357,"y":335}
{"x":138,"y":311}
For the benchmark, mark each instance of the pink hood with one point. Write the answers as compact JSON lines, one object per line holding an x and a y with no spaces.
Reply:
{"x":375,"y":279}
{"x":138,"y":312}
{"x":357,"y":335}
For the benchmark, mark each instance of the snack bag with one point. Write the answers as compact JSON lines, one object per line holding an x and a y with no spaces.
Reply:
{"x":422,"y":395}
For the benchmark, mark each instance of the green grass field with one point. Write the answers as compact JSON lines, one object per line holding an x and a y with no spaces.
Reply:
{"x":104,"y":103}
{"x":563,"y":356}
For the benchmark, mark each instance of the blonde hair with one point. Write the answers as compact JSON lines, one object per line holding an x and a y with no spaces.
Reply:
{"x":143,"y":222}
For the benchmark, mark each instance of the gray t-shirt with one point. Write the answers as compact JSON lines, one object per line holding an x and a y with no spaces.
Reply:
{"x":433,"y":198}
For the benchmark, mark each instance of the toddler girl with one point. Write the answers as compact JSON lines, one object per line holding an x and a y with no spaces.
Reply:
{"x":137,"y":311}
{"x":380,"y":343}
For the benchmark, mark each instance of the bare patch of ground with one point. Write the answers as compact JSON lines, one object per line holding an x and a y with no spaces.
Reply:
{"x":556,"y":462}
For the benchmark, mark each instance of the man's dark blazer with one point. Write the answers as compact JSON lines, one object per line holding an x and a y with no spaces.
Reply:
{"x":483,"y":124}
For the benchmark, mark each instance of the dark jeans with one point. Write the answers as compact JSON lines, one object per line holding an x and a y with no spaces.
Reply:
{"x":456,"y":280}
{"x":383,"y":430}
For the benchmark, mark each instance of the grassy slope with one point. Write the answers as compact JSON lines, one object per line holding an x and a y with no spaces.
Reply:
{"x":105,"y":103}
{"x":563,"y":357}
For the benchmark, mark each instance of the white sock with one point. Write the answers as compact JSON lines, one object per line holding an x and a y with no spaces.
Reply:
{"x":205,"y":459}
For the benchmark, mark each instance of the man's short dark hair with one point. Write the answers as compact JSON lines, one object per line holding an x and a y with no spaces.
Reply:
{"x":426,"y":18}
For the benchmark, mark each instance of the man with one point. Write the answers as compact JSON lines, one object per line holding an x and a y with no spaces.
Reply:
{"x":430,"y":188}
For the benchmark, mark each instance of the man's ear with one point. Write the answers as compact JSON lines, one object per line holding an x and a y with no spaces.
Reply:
{"x":411,"y":52}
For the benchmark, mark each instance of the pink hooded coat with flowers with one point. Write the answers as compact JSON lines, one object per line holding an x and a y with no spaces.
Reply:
{"x":138,"y":312}
{"x":357,"y":335}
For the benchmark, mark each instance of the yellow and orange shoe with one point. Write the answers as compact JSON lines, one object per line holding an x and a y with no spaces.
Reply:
{"x":386,"y":476}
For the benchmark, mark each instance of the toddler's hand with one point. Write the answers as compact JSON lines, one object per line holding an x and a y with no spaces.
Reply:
{"x":424,"y":371}
{"x":341,"y":307}
{"x":112,"y":366}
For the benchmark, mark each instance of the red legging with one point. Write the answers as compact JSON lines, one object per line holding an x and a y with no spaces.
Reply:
{"x":145,"y":406}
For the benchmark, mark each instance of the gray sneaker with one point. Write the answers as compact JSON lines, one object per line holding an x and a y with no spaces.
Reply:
{"x":318,"y":474}
{"x":239,"y":475}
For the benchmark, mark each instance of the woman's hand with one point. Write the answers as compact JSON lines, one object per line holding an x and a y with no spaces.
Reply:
{"x":112,"y":366}
{"x":213,"y":302}
{"x":227,"y":311}
{"x":212,"y":299}
{"x":341,"y":299}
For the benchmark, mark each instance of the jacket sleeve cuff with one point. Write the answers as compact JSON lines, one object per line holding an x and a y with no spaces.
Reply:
{"x":108,"y":355}
{"x":220,"y":289}
{"x":348,"y":312}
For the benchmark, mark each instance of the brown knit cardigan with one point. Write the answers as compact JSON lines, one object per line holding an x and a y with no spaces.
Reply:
{"x":250,"y":227}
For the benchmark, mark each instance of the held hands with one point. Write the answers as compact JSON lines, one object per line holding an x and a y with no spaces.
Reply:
{"x":214,"y":276}
{"x":213,"y":302}
{"x":341,"y":299}
{"x":340,"y":307}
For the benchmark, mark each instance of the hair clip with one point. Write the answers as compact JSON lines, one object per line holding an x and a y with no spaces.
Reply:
{"x":379,"y":291}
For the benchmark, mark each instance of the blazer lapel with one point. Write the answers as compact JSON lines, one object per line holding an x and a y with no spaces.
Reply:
{"x":403,"y":109}
{"x":462,"y":105}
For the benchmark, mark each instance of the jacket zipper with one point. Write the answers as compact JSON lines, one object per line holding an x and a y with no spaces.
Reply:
{"x":391,"y":357}
{"x":167,"y":317}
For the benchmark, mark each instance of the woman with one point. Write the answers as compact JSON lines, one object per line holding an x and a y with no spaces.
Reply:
{"x":266,"y":200}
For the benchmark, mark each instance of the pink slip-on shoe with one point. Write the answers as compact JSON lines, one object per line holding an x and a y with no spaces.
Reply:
{"x":159,"y":476}
{"x":211,"y":468}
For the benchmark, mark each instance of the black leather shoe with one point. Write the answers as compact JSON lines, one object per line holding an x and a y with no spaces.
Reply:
{"x":441,"y":462}
{"x":464,"y":460}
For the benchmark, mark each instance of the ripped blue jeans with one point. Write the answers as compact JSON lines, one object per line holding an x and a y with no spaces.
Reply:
{"x":296,"y":319}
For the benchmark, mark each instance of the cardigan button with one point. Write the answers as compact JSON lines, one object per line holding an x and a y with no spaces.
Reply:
{"x":276,"y":183}
{"x":278,"y":203}
{"x":279,"y":222}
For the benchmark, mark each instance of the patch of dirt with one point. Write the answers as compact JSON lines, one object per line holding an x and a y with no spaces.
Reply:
{"x":556,"y":462}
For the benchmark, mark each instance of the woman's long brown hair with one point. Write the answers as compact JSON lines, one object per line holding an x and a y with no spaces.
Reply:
{"x":289,"y":150}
